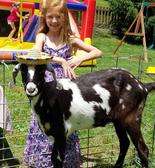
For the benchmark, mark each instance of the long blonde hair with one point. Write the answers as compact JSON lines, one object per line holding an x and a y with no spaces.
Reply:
{"x":66,"y":29}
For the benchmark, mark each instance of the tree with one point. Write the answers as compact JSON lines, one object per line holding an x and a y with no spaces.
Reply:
{"x":125,"y":11}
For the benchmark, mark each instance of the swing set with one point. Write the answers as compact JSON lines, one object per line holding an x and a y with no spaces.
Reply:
{"x":139,"y":29}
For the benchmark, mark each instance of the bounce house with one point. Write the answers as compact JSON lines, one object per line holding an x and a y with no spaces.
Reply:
{"x":27,"y":30}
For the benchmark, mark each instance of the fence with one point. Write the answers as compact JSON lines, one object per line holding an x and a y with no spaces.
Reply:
{"x":103,"y":17}
{"x":99,"y":146}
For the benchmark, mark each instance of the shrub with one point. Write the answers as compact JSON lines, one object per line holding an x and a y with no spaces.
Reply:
{"x":126,"y":12}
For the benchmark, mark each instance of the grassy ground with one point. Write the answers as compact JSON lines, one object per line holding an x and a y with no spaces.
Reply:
{"x":102,"y":3}
{"x":103,"y":144}
{"x":129,"y":57}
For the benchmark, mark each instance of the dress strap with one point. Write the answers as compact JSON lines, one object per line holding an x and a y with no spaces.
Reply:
{"x":46,"y":37}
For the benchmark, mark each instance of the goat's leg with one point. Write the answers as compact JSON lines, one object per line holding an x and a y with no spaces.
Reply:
{"x":124,"y":144}
{"x":61,"y":148}
{"x":137,"y":139}
{"x":54,"y":157}
{"x":58,"y":152}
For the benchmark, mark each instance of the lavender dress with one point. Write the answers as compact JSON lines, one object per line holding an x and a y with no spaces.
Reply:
{"x":38,"y":148}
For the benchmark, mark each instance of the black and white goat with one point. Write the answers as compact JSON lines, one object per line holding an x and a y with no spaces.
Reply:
{"x":92,"y":100}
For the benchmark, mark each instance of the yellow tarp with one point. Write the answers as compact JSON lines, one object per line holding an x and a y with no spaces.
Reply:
{"x":6,"y":44}
{"x":10,"y":46}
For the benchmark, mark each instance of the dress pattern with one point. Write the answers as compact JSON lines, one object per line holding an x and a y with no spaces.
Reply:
{"x":37,"y":153}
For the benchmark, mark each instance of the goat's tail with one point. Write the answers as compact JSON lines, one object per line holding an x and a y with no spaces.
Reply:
{"x":150,"y":86}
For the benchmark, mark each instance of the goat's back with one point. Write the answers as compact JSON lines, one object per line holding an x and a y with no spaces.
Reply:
{"x":101,"y":97}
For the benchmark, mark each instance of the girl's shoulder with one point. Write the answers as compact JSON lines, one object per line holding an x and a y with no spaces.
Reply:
{"x":41,"y":36}
{"x":74,"y":40}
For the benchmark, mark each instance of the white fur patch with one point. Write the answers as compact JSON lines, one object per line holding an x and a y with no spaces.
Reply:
{"x":140,"y":86}
{"x":120,"y":101}
{"x":123,"y":106}
{"x":128,"y":87}
{"x":131,"y":76}
{"x":146,"y":90}
{"x":82,"y":112}
{"x":31,"y":71}
{"x":104,"y":95}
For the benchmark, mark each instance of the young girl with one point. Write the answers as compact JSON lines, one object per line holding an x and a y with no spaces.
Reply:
{"x":54,"y":37}
{"x":13,"y":18}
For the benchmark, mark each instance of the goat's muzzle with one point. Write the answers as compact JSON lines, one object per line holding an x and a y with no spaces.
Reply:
{"x":31,"y":89}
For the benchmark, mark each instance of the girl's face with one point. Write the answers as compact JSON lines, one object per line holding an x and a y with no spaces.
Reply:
{"x":54,"y":19}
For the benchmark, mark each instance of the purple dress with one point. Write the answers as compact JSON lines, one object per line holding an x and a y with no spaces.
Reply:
{"x":38,"y":149}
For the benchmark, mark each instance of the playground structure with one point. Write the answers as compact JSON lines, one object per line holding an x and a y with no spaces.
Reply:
{"x":139,"y":30}
{"x":27,"y":29}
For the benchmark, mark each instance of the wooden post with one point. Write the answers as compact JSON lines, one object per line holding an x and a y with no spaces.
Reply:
{"x":139,"y":20}
{"x":144,"y":37}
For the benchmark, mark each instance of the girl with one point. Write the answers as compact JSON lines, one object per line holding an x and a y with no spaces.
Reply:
{"x":54,"y":37}
{"x":13,"y":18}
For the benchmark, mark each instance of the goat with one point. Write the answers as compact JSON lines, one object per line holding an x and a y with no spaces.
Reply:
{"x":92,"y":100}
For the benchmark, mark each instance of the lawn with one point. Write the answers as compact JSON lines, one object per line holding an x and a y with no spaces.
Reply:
{"x":103,"y":144}
{"x":102,"y":3}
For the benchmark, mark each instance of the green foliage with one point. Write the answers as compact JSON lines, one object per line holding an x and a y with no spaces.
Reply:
{"x":125,"y":11}
{"x":149,"y":15}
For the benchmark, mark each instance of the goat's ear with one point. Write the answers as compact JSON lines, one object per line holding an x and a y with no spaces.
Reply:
{"x":50,"y":68}
{"x":14,"y":75}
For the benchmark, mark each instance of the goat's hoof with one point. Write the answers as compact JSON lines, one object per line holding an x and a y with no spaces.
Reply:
{"x":58,"y":164}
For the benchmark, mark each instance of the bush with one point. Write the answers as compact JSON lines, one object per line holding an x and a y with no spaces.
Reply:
{"x":126,"y":12}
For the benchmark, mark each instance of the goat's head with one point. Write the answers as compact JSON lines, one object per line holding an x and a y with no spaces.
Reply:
{"x":34,"y":77}
{"x":34,"y":71}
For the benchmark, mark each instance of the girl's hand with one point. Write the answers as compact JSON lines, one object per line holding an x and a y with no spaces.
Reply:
{"x":68,"y":71}
{"x":74,"y":62}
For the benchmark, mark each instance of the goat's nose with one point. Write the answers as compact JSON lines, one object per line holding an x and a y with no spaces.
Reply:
{"x":30,"y":88}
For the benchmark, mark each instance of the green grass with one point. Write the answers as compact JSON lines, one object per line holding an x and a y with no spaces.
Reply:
{"x":102,"y":139}
{"x":102,"y":3}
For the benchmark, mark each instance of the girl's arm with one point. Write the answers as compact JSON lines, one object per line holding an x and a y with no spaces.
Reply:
{"x":39,"y":41}
{"x":91,"y":52}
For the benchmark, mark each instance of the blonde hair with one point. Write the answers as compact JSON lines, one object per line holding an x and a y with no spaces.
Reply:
{"x":66,"y":29}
